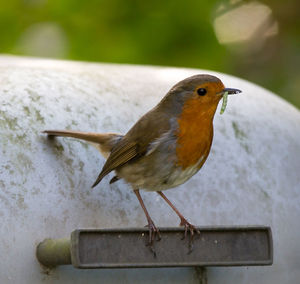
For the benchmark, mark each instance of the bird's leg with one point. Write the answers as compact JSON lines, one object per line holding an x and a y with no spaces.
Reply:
{"x":183,"y":221}
{"x":152,"y":228}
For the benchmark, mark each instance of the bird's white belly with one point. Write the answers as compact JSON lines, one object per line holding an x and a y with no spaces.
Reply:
{"x":180,"y":176}
{"x":157,"y":180}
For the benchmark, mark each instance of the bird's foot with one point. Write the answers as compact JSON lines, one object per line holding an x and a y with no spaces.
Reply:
{"x":154,"y":234}
{"x":188,"y":227}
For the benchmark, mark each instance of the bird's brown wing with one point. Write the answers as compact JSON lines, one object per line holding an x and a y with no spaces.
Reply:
{"x":136,"y":142}
{"x":124,"y":152}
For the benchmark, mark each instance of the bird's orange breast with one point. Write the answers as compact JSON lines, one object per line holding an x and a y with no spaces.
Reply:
{"x":195,"y":133}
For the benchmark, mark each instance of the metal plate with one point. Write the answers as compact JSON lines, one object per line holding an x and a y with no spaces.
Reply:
{"x":221,"y":246}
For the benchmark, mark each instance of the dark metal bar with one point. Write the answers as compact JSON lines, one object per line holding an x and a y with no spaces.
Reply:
{"x":221,"y":246}
{"x":125,"y":248}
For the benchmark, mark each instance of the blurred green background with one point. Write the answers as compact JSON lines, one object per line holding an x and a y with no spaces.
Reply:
{"x":255,"y":40}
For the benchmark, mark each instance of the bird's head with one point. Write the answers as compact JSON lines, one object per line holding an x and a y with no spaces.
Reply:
{"x":199,"y":92}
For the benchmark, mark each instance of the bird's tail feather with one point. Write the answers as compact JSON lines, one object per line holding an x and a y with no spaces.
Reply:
{"x":103,"y":141}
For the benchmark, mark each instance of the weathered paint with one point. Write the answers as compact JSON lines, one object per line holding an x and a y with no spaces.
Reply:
{"x":250,"y":178}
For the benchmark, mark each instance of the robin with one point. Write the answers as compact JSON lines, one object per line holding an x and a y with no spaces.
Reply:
{"x":166,"y":146}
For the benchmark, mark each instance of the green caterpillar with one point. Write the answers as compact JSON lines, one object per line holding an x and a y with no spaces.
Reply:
{"x":224,"y":103}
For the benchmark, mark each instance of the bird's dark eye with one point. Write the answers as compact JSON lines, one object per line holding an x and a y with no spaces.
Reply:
{"x":201,"y":91}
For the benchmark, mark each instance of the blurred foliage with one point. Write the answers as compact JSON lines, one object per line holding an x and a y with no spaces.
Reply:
{"x":173,"y":33}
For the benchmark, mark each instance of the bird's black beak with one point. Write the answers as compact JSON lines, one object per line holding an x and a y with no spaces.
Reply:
{"x":230,"y":91}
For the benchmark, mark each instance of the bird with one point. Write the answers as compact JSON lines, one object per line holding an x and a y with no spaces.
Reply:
{"x":166,"y":146}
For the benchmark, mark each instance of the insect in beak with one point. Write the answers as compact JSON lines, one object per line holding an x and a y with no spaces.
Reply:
{"x":225,"y":92}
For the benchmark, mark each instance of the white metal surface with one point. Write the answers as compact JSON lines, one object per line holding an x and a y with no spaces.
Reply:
{"x":250,"y":178}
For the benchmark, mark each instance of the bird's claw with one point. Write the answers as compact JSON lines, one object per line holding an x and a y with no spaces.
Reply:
{"x":154,"y":234}
{"x":192,"y":229}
